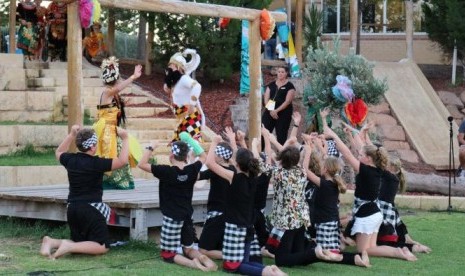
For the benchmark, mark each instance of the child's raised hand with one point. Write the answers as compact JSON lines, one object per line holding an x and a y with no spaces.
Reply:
{"x":240,"y":135}
{"x":228,"y":132}
{"x":137,"y":71}
{"x":265,"y":131}
{"x":217,"y":139}
{"x":296,"y":117}
{"x":324,"y":112}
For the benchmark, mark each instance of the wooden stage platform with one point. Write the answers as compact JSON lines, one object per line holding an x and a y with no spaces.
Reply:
{"x":136,"y":209}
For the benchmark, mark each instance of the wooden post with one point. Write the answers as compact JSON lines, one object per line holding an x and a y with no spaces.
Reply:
{"x":111,"y":32}
{"x":148,"y":48}
{"x":299,"y":11}
{"x":353,"y":23}
{"x":289,"y":13}
{"x":12,"y":49}
{"x":409,"y":28}
{"x":74,"y":57}
{"x":255,"y":95}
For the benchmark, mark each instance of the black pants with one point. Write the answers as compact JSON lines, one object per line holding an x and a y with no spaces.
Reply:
{"x":295,"y":249}
{"x":260,"y":228}
{"x":281,"y":125}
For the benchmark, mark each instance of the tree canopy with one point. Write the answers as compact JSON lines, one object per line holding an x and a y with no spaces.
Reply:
{"x":445,"y":25}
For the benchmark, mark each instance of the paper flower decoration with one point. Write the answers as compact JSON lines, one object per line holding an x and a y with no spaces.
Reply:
{"x":342,"y":91}
{"x":356,"y":112}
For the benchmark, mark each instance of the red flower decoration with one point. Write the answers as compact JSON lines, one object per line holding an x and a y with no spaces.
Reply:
{"x":356,"y":112}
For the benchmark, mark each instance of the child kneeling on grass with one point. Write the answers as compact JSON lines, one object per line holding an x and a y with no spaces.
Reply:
{"x":87,"y":214}
{"x":175,"y":191}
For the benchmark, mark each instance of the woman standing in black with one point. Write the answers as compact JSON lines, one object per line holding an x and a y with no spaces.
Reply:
{"x":278,"y":105}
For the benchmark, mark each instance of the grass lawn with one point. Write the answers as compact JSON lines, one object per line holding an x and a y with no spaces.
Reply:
{"x":20,"y":241}
{"x":29,"y":156}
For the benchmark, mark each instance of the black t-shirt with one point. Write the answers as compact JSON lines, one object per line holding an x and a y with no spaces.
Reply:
{"x":367,"y":183}
{"x":389,"y":187}
{"x":326,"y":201}
{"x":85,"y":176}
{"x":310,"y":197}
{"x":279,"y":96}
{"x":261,"y":194}
{"x":218,"y":189}
{"x":241,"y":198}
{"x":176,"y":188}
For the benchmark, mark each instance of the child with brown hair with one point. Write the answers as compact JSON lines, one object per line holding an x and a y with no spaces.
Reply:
{"x":175,"y":191}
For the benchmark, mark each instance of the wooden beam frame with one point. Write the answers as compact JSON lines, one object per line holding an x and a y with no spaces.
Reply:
{"x":192,"y":8}
{"x":173,"y":6}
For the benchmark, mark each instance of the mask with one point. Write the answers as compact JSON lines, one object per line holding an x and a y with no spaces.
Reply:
{"x":172,"y":77}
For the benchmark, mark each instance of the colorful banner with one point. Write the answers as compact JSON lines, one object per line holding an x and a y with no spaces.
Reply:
{"x":245,"y":77}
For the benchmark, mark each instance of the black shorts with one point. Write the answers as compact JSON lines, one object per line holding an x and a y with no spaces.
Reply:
{"x":187,"y":233}
{"x":212,"y":234}
{"x":87,"y":224}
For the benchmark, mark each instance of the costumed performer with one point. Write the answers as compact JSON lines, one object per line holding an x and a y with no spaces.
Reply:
{"x":110,"y":115}
{"x":185,"y":94}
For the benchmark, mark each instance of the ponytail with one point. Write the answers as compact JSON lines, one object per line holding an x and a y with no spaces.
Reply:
{"x":333,"y":167}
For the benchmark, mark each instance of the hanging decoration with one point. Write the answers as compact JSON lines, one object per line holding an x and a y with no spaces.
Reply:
{"x":267,"y":24}
{"x":89,"y":12}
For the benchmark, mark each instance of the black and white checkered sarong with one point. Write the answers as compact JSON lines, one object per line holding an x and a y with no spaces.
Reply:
{"x":327,"y":235}
{"x":213,"y":214}
{"x":390,"y":216}
{"x":103,"y":208}
{"x":170,"y":238}
{"x":234,"y":243}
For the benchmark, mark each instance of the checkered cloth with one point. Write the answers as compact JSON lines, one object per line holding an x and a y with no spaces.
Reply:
{"x":234,"y":243}
{"x":213,"y":214}
{"x":170,"y":238}
{"x":92,"y":141}
{"x":390,"y":216}
{"x":103,"y":208}
{"x":275,"y":237}
{"x":332,"y":149}
{"x":327,"y":235}
{"x":223,"y":152}
{"x":190,"y":123}
{"x":358,"y":202}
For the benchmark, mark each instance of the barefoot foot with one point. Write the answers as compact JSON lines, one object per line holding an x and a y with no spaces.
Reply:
{"x":362,"y":260}
{"x":46,"y":247}
{"x":198,"y":265}
{"x":266,"y":253}
{"x":208,"y":263}
{"x":408,"y":255}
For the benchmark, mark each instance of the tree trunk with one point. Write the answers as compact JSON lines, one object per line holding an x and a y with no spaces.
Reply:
{"x":111,"y":32}
{"x":434,"y":184}
{"x":141,"y":40}
{"x":353,"y":24}
{"x":148,"y":55}
{"x":409,"y":28}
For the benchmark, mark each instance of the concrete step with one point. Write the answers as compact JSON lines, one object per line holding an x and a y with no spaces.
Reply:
{"x":34,"y":64}
{"x":149,"y":135}
{"x":41,"y":82}
{"x":60,"y":73}
{"x":13,"y":61}
{"x":151,"y":123}
{"x":136,"y":112}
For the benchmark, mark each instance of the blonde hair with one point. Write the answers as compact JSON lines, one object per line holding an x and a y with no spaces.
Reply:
{"x":333,"y":168}
{"x":315,"y":162}
{"x":396,"y":166}
{"x":378,"y":154}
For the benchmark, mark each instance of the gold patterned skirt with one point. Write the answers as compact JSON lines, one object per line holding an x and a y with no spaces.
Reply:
{"x":109,"y":146}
